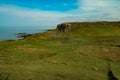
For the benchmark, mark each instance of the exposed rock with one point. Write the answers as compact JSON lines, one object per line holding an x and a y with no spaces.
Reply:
{"x":10,"y":40}
{"x":64,"y":27}
{"x":95,"y":68}
{"x":23,"y":35}
{"x":20,"y":35}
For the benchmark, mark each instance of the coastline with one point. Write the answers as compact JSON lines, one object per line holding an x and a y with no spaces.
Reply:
{"x":22,"y":36}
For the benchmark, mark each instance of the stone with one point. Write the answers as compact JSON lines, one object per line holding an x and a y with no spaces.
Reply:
{"x":95,"y":68}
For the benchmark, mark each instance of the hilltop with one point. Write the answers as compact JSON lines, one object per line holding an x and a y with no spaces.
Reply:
{"x":72,"y":51}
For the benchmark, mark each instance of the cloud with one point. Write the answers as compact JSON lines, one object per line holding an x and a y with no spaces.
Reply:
{"x":95,"y":10}
{"x":26,"y":16}
{"x":97,"y":5}
{"x":87,"y":10}
{"x":110,"y":7}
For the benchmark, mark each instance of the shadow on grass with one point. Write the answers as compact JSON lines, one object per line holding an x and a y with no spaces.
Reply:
{"x":4,"y":78}
{"x":110,"y":74}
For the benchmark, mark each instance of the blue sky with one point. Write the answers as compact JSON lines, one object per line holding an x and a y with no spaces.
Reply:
{"x":56,"y":5}
{"x":53,"y":12}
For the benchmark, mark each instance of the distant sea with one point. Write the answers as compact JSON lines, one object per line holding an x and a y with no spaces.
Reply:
{"x":10,"y":33}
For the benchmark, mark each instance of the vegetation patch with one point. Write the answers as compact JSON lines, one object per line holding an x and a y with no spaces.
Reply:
{"x":72,"y":51}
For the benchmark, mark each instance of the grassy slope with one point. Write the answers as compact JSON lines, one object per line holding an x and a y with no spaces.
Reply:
{"x":55,"y":55}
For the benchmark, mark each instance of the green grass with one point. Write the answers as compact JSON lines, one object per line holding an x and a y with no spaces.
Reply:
{"x":55,"y":55}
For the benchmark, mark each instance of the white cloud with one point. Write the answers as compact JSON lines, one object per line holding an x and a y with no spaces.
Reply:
{"x":97,"y":10}
{"x":110,"y":7}
{"x":98,"y":4}
{"x":92,"y":4}
{"x":27,"y":16}
{"x":88,"y":10}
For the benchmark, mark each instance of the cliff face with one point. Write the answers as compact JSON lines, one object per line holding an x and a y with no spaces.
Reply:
{"x":64,"y":26}
{"x":97,"y":27}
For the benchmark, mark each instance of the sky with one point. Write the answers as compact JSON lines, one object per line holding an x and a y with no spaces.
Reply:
{"x":53,"y":12}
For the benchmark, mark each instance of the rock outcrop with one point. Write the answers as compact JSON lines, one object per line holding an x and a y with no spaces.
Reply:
{"x":64,"y":27}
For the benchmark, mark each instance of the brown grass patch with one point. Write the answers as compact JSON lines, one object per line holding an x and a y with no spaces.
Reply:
{"x":28,"y":49}
{"x":105,"y":52}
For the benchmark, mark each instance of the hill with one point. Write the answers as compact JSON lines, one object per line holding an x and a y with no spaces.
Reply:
{"x":72,"y":51}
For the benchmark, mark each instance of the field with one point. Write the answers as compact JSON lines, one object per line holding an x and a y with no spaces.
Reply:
{"x":82,"y":51}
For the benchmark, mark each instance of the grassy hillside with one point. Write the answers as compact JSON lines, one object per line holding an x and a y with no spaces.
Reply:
{"x":83,"y":51}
